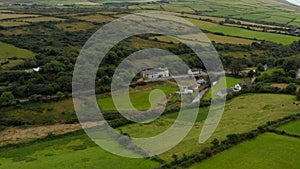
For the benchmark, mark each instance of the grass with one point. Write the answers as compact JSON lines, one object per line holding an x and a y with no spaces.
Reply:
{"x":142,"y":43}
{"x":293,"y":128}
{"x":10,"y":16}
{"x":96,"y":18}
{"x":8,"y":51}
{"x":212,"y":37}
{"x":41,"y":19}
{"x":230,"y":82}
{"x":242,"y":114}
{"x":40,"y":113}
{"x":243,"y":33}
{"x":75,"y":151}
{"x":228,"y":39}
{"x":75,"y":27}
{"x":139,"y":99}
{"x":12,"y":23}
{"x":268,"y":151}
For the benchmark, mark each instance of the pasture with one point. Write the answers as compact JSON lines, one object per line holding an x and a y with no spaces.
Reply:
{"x":243,"y":33}
{"x":242,"y":114}
{"x":75,"y":27}
{"x":8,"y":51}
{"x":139,"y":99}
{"x":230,"y":82}
{"x":12,"y":23}
{"x":96,"y":18}
{"x":10,"y":16}
{"x":41,"y":19}
{"x":293,"y":128}
{"x":68,"y":152}
{"x":268,"y":151}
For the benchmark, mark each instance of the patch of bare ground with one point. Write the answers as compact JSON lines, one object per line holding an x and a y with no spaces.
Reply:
{"x":13,"y":135}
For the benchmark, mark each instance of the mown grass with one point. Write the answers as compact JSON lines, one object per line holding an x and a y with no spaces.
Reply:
{"x":268,"y":151}
{"x":293,"y":128}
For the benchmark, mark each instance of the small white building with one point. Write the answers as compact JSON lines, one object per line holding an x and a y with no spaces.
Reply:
{"x":265,"y":67}
{"x":155,"y":73}
{"x":237,"y":88}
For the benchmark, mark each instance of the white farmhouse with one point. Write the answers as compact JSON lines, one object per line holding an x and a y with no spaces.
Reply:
{"x":155,"y":73}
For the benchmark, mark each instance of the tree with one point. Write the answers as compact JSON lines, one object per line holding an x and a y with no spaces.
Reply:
{"x":291,"y":88}
{"x":236,"y":67}
{"x":260,"y":67}
{"x":251,"y":73}
{"x":7,"y":98}
{"x":298,"y":95}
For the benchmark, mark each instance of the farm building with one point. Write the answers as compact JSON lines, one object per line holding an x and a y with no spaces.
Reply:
{"x":155,"y":73}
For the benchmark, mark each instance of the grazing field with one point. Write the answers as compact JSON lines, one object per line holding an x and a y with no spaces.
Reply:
{"x":230,"y":82}
{"x":242,"y":114}
{"x":210,"y":36}
{"x":228,"y":39}
{"x":268,"y":151}
{"x":10,"y":16}
{"x":142,"y":43}
{"x":74,"y":151}
{"x":243,"y":33}
{"x":96,"y":18}
{"x":293,"y":128}
{"x":139,"y":99}
{"x":12,"y":23}
{"x":74,"y":27}
{"x":40,"y":113}
{"x":41,"y":19}
{"x":8,"y":51}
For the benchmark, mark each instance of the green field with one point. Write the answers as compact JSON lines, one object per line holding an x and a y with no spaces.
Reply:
{"x":293,"y":128}
{"x":268,"y":151}
{"x":243,"y":33}
{"x":10,"y":51}
{"x":139,"y":99}
{"x":75,"y":151}
{"x":230,"y":82}
{"x":242,"y":114}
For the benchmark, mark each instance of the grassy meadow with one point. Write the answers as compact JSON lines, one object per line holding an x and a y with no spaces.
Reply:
{"x":68,"y":152}
{"x":9,"y":51}
{"x":242,"y":114}
{"x":293,"y":128}
{"x":230,"y":82}
{"x":268,"y":151}
{"x":139,"y":99}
